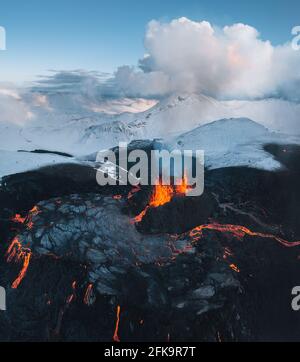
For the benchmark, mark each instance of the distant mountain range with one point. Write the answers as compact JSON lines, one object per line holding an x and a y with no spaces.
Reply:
{"x":74,"y":124}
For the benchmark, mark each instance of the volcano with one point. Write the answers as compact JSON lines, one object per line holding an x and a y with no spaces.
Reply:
{"x":149,"y":263}
{"x":82,"y":262}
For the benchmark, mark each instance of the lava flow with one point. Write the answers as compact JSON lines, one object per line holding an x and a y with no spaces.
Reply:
{"x":17,"y":252}
{"x":27,"y":219}
{"x":162,"y":194}
{"x":18,"y":218}
{"x":239,"y":232}
{"x":115,"y":336}
{"x":88,"y":294}
{"x":234,"y":267}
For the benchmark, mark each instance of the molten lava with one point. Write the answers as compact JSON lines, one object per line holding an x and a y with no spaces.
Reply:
{"x":87,"y":295}
{"x":62,"y":310}
{"x":27,"y":219}
{"x":234,"y":267}
{"x":18,"y":218}
{"x":183,"y":187}
{"x":140,"y":216}
{"x":115,"y":336}
{"x":239,"y":232}
{"x":17,"y":252}
{"x":162,"y":194}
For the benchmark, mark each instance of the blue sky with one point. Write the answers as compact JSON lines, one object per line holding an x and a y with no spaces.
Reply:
{"x":103,"y":34}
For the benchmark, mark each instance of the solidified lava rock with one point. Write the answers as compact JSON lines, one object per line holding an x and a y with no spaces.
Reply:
{"x":92,"y":229}
{"x":171,"y":283}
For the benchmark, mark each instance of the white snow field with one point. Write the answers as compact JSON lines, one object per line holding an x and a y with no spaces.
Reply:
{"x":12,"y":162}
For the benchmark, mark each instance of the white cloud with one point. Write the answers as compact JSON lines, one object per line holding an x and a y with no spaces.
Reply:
{"x":13,"y":109}
{"x":181,"y":56}
{"x":185,"y":56}
{"x":189,"y":56}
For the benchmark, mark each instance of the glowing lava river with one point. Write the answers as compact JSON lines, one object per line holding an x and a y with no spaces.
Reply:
{"x":83,"y":263}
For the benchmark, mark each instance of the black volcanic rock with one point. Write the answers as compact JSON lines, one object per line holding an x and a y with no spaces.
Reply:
{"x":179,"y":215}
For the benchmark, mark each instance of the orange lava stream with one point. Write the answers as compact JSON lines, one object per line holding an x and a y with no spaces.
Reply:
{"x":27,"y":219}
{"x":140,"y":216}
{"x":162,"y":194}
{"x":87,"y":295}
{"x":34,"y":211}
{"x":18,"y":218}
{"x":234,"y":267}
{"x":239,"y":232}
{"x":115,"y":336}
{"x":17,"y":252}
{"x":183,"y":188}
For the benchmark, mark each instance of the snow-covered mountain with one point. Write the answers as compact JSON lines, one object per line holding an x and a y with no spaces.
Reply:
{"x":67,"y":122}
{"x":231,"y":142}
{"x":179,"y":113}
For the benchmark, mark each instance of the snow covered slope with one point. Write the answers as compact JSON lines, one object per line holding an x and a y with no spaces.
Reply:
{"x":232,"y":142}
{"x":12,"y":162}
